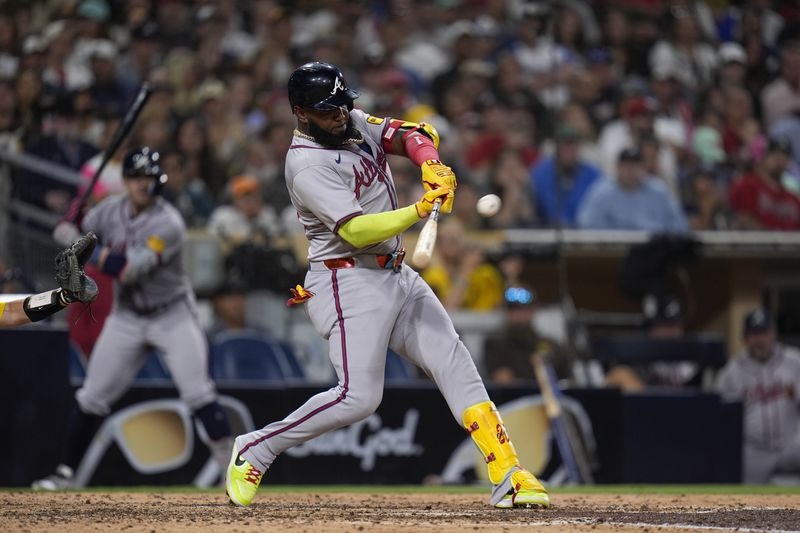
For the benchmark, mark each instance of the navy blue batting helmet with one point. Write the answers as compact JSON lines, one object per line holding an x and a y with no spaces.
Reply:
{"x":320,"y":86}
{"x":143,"y":162}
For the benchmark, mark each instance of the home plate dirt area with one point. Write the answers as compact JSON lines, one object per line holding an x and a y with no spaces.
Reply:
{"x":326,"y":511}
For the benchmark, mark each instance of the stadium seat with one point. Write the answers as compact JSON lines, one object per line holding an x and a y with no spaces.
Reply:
{"x":252,"y":356}
{"x":398,"y":369}
{"x":153,"y":369}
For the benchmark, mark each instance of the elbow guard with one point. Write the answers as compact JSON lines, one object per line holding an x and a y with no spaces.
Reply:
{"x":406,"y":129}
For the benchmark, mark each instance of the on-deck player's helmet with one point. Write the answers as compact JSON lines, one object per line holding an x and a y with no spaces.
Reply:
{"x":143,"y":162}
{"x":320,"y":86}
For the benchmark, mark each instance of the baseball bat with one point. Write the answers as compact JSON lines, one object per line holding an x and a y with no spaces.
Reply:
{"x":427,"y":238}
{"x":121,"y":132}
{"x":578,"y":470}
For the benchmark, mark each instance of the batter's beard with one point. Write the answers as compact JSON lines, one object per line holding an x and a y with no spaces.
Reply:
{"x":326,"y":138}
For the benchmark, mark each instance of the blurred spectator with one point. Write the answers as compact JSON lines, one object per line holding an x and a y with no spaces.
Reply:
{"x":230,"y":310}
{"x":507,"y":352}
{"x":707,"y":143}
{"x":189,"y":196}
{"x":460,"y":275}
{"x":741,"y":131}
{"x":200,"y":163}
{"x":637,"y":123}
{"x":142,"y":56}
{"x":60,"y":144}
{"x":706,"y":208}
{"x":664,"y":321}
{"x":109,"y":93}
{"x":733,"y":65}
{"x":634,"y":201}
{"x":509,"y":180}
{"x":782,"y":96}
{"x":559,"y":183}
{"x":759,"y":199}
{"x":766,"y":379}
{"x":694,"y":61}
{"x":248,"y":219}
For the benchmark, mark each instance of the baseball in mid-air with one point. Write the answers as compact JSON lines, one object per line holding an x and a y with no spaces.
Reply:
{"x":489,"y":205}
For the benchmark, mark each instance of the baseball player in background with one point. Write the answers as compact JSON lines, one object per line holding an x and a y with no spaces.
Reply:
{"x":74,"y":286}
{"x":766,"y":378}
{"x":141,"y":240}
{"x":359,"y":295}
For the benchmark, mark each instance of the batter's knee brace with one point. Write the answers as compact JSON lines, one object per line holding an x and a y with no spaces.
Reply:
{"x":214,"y":420}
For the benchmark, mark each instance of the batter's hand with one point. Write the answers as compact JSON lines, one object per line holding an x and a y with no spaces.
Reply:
{"x":435,"y":175}
{"x":425,"y":204}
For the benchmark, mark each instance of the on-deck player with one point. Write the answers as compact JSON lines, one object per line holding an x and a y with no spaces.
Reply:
{"x":359,"y":295}
{"x":141,"y":241}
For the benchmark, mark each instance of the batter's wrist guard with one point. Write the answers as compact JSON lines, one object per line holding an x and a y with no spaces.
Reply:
{"x":41,"y":306}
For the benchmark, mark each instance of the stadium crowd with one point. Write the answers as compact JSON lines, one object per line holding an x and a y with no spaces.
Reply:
{"x":661,"y":115}
{"x":628,"y":114}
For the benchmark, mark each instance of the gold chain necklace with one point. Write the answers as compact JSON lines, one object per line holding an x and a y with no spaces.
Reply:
{"x":310,"y":138}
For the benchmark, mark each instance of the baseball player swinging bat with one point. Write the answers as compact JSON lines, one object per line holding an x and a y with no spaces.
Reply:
{"x":122,"y":131}
{"x":427,"y":238}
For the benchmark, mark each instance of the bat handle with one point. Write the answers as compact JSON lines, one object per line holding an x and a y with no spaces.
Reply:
{"x":437,"y":205}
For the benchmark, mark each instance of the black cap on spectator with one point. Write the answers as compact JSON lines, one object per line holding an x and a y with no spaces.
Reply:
{"x":630,"y":154}
{"x":757,"y":321}
{"x":780,"y":145}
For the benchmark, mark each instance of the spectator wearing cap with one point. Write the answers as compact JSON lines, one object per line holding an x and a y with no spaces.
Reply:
{"x":782,"y":96}
{"x":230,"y":310}
{"x":248,"y":219}
{"x":110,"y":93}
{"x":142,"y":54}
{"x":634,"y":201}
{"x":766,"y":379}
{"x":559,"y":183}
{"x":639,"y":121}
{"x":759,"y":199}
{"x":733,"y":65}
{"x":507,"y":352}
{"x":664,"y":321}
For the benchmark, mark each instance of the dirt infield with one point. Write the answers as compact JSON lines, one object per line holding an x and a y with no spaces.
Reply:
{"x":339,"y":512}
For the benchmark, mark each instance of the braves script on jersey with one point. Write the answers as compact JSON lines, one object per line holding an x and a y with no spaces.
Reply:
{"x":322,"y":182}
{"x":160,"y":228}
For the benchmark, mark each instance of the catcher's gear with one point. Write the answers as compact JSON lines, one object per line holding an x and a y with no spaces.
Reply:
{"x":320,"y":86}
{"x":514,"y":486}
{"x":74,"y":283}
{"x":143,"y":162}
{"x":425,"y":204}
{"x":435,"y":174}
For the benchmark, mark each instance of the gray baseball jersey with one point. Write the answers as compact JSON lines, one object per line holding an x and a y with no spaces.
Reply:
{"x":360,"y":311}
{"x":157,"y":311}
{"x":329,"y":186}
{"x":770,"y":392}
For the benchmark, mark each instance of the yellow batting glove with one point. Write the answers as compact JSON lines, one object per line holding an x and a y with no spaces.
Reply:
{"x":426,"y":203}
{"x":437,"y":175}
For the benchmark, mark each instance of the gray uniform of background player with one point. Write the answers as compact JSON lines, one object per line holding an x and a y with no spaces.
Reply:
{"x":360,"y":311}
{"x":770,"y":392}
{"x":129,"y":331}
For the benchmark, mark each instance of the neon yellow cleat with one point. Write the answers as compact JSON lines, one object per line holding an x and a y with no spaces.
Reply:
{"x":526,"y":491}
{"x":241,"y":480}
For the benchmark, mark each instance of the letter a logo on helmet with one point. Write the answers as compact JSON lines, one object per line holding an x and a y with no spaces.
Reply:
{"x":338,"y":85}
{"x":320,"y":86}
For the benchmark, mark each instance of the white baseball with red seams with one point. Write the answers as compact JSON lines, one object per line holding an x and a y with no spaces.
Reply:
{"x":489,"y":205}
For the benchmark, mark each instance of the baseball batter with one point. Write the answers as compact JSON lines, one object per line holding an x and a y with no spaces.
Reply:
{"x":141,"y":237}
{"x":358,"y":293}
{"x":74,"y":286}
{"x":767,"y":380}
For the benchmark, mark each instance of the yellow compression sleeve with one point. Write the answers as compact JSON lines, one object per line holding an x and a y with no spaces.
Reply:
{"x":372,"y":228}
